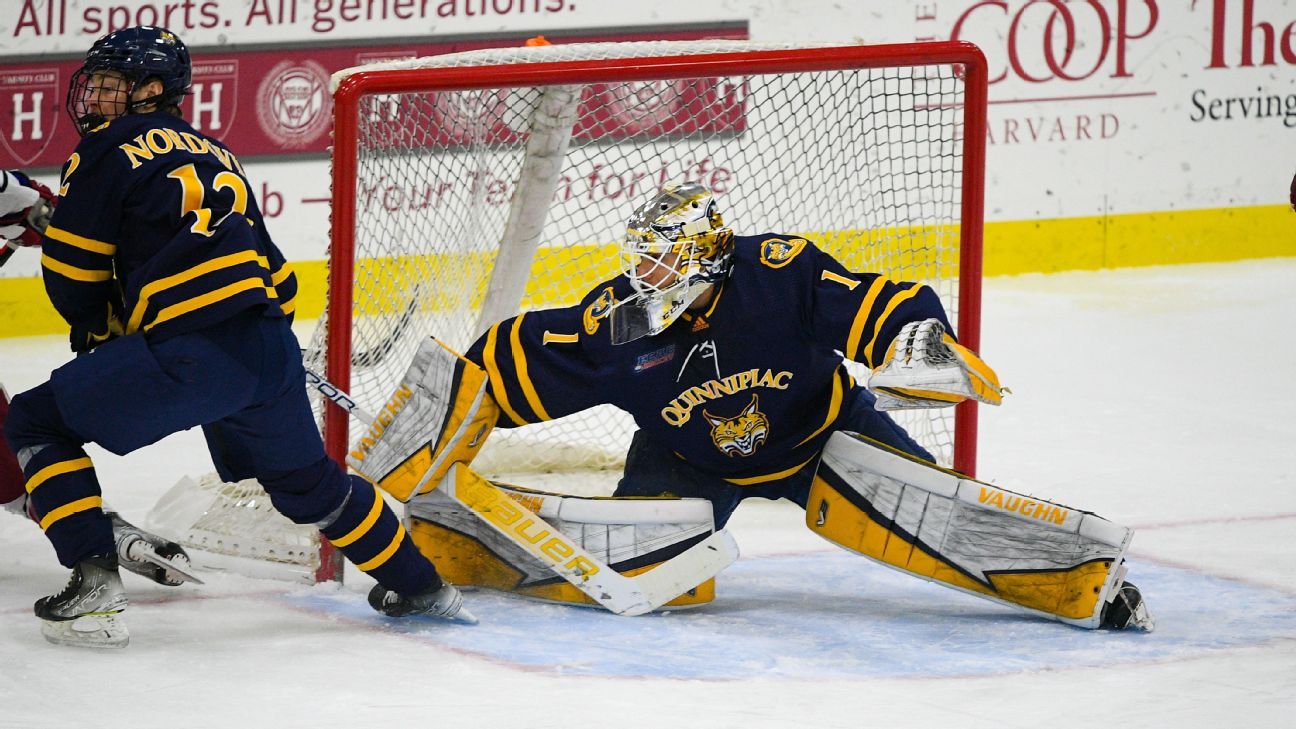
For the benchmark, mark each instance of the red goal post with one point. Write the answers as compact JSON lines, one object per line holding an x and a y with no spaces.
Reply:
{"x":877,"y":153}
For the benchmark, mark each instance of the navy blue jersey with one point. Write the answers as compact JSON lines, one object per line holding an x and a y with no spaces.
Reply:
{"x":157,"y":221}
{"x":748,"y":389}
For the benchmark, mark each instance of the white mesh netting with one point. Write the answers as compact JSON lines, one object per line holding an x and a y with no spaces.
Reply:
{"x":866,"y":162}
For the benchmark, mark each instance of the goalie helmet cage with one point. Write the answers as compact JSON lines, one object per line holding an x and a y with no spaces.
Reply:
{"x":471,"y":186}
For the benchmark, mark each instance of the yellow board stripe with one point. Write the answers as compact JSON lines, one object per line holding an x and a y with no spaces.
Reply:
{"x":77,"y":241}
{"x":834,"y":407}
{"x":363,"y":528}
{"x":386,"y":554}
{"x":524,"y":379}
{"x":91,"y":275}
{"x":206,"y":267}
{"x":57,"y":469}
{"x":493,"y":372}
{"x":769,"y":476}
{"x":896,"y":300}
{"x":211,"y":297}
{"x":66,"y":510}
{"x":861,"y":317}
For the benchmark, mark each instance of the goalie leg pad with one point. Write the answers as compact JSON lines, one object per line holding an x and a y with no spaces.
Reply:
{"x":632,"y":535}
{"x":1029,"y":553}
{"x":440,"y":415}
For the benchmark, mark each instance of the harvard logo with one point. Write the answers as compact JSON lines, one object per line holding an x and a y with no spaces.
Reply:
{"x":34,"y":101}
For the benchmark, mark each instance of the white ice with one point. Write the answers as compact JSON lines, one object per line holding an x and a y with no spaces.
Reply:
{"x":1161,"y":398}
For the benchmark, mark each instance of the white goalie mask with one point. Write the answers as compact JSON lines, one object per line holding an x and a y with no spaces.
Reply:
{"x":676,"y":247}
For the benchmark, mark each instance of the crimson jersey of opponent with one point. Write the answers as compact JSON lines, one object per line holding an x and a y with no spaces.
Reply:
{"x":748,"y":389}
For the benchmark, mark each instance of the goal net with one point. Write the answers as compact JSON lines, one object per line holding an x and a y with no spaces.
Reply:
{"x":472,"y":186}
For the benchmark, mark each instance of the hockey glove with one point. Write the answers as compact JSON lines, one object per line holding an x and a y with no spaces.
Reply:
{"x":83,"y":338}
{"x":25,"y":209}
{"x":926,"y":368}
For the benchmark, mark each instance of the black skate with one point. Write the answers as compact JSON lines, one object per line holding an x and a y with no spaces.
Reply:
{"x":86,"y":612}
{"x":1127,"y":611}
{"x":149,"y":555}
{"x":443,"y":601}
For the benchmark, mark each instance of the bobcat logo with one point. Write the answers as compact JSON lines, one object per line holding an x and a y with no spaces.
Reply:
{"x":777,"y":253}
{"x":740,"y":435}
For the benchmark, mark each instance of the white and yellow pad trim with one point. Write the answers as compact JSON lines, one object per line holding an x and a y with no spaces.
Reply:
{"x":926,"y":368}
{"x":439,"y":415}
{"x":629,"y":535}
{"x":936,"y":524}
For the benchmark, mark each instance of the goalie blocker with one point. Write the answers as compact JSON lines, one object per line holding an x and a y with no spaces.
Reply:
{"x":913,"y":516}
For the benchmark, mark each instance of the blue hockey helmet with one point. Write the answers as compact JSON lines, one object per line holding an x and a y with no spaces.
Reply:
{"x":137,"y":54}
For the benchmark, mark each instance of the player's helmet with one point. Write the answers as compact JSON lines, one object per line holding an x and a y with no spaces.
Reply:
{"x":138,"y":54}
{"x":676,"y":245}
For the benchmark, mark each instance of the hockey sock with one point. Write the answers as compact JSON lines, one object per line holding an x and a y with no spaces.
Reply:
{"x":66,"y":501}
{"x":369,"y":534}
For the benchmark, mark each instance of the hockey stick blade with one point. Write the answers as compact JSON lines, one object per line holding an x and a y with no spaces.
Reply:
{"x":619,"y":593}
{"x":144,"y":552}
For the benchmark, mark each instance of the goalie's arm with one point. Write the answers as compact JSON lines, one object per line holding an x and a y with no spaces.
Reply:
{"x":900,"y":331}
{"x":538,"y":367}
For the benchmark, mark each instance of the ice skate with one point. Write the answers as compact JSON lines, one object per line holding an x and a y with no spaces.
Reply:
{"x":1127,"y":611}
{"x":87,"y":612}
{"x":149,"y":555}
{"x":444,"y":601}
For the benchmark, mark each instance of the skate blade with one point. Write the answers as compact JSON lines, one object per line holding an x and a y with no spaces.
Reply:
{"x":181,"y":569}
{"x":87,"y":631}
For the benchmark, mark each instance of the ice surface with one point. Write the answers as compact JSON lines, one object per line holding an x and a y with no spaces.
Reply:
{"x":1161,"y":398}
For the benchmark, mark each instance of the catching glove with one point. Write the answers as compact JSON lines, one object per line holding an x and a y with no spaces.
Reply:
{"x":926,"y":368}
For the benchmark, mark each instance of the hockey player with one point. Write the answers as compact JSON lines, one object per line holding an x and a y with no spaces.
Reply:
{"x":179,"y":305}
{"x":728,"y":352}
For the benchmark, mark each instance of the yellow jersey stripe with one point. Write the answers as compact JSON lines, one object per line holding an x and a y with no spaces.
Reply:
{"x":76,"y":274}
{"x":211,"y":297}
{"x":57,"y":469}
{"x":281,"y":275}
{"x":524,"y":379}
{"x":861,"y":317}
{"x":896,"y":300}
{"x":66,"y":510}
{"x":386,"y":554}
{"x":77,"y":241}
{"x":288,"y":307}
{"x":556,"y":338}
{"x":363,"y":528}
{"x":834,"y":407}
{"x":493,"y":372}
{"x":206,"y":267}
{"x":770,"y":476}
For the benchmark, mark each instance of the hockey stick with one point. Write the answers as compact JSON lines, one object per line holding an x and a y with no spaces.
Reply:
{"x":376,"y":354}
{"x":621,"y":594}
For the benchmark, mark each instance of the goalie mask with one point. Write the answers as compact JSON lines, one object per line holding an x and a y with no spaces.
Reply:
{"x":676,"y":247}
{"x":117,"y":64}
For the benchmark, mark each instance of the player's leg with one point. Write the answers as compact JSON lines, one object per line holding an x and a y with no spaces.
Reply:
{"x":275,"y":440}
{"x":65,"y":500}
{"x":859,"y":416}
{"x":653,"y":470}
{"x":152,"y":562}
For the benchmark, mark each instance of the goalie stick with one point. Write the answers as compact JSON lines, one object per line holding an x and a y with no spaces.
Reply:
{"x":621,"y":594}
{"x":376,"y":354}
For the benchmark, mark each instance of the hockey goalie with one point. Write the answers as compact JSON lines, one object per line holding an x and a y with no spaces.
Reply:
{"x":728,"y":352}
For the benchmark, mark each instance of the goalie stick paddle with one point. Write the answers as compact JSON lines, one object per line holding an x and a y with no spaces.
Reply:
{"x":375,"y":355}
{"x":621,"y":594}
